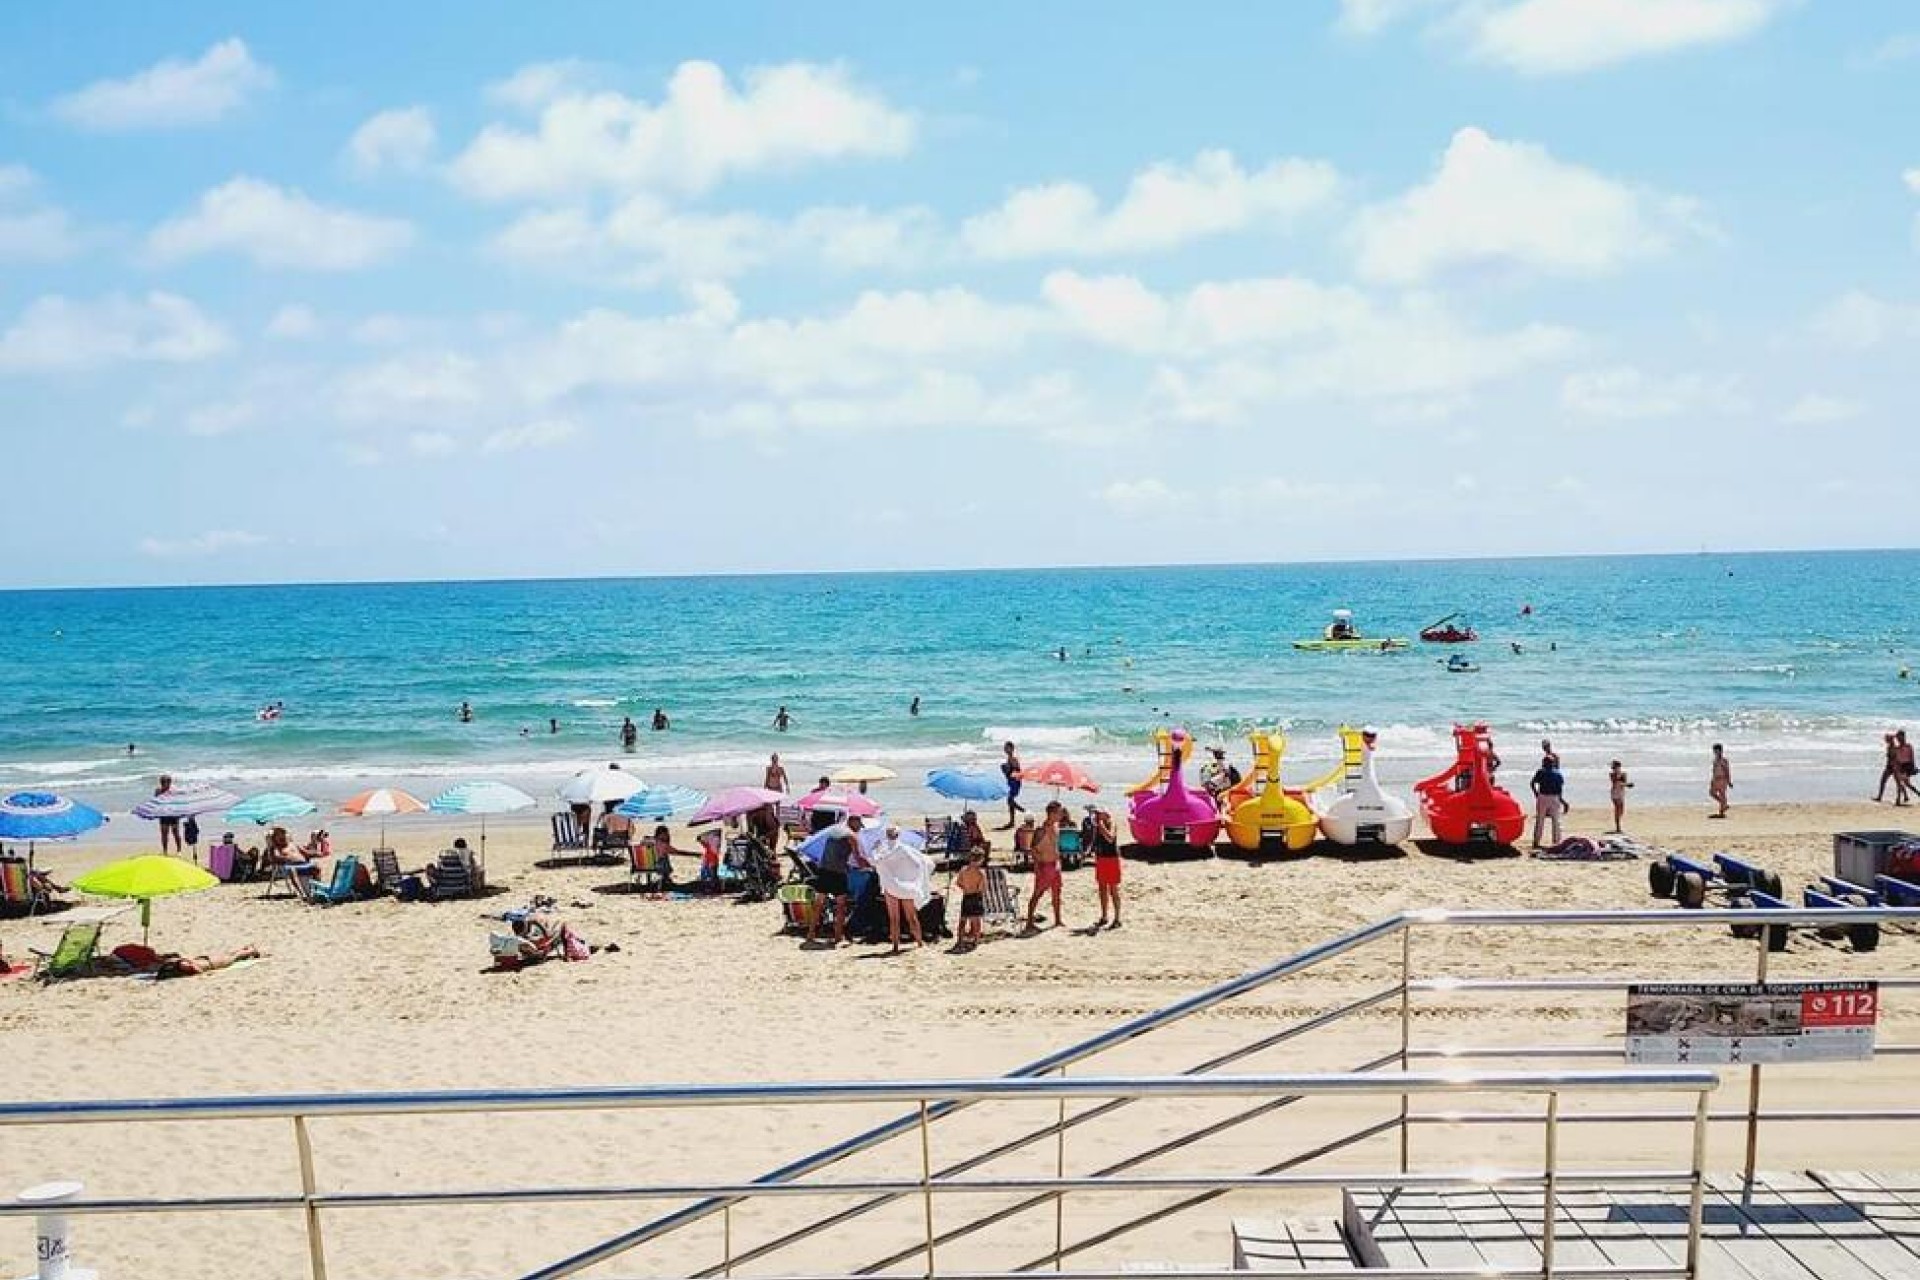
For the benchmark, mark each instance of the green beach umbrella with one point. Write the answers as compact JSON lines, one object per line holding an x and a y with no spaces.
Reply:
{"x":144,"y":878}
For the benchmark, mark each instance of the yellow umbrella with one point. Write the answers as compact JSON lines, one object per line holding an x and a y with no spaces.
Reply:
{"x":862,"y":774}
{"x":145,"y":878}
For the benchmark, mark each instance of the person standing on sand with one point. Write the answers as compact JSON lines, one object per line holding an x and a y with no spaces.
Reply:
{"x":1889,"y":770}
{"x":1549,"y":789}
{"x":830,"y":881}
{"x":1010,"y":770}
{"x":169,"y":827}
{"x":1106,"y":865}
{"x":1548,"y":753}
{"x":1046,"y":865}
{"x":776,"y":775}
{"x":1617,"y":785}
{"x":972,"y":884}
{"x":1903,"y":768}
{"x":1720,"y":781}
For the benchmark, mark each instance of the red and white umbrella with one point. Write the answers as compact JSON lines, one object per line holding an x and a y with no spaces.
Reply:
{"x":1059,"y":774}
{"x":383,"y":803}
{"x":851,"y":803}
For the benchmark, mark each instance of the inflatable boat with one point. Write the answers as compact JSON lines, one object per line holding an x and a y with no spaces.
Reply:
{"x":1462,"y":805}
{"x":1363,"y":813}
{"x":1172,"y":816}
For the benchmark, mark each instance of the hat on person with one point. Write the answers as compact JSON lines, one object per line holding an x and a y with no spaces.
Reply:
{"x":1220,"y":752}
{"x":1369,"y":732}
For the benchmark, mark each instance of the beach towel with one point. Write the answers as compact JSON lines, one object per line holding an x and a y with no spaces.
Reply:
{"x":1583,"y":849}
{"x":904,"y":872}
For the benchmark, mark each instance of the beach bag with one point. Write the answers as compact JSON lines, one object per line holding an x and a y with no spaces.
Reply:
{"x":573,"y":945}
{"x":933,"y":919}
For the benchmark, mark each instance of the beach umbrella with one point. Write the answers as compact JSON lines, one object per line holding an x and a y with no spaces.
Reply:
{"x":270,"y":806}
{"x":960,"y":784}
{"x":861,"y":774}
{"x":481,"y":799}
{"x":185,"y":802}
{"x":145,"y":878}
{"x":735,"y":801}
{"x":383,"y":803}
{"x":43,"y":815}
{"x":851,"y":803}
{"x":662,"y":802}
{"x":816,"y":844}
{"x":1058,"y":774}
{"x":598,"y":786}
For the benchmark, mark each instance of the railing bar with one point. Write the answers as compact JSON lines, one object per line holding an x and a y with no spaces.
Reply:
{"x":1664,"y":916}
{"x":1658,"y":1117}
{"x":1139,"y":1158}
{"x":1479,"y":1272}
{"x":1465,"y":1053}
{"x":1441,"y":986}
{"x":973,"y":1186}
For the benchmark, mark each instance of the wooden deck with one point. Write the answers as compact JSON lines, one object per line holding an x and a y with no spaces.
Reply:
{"x":1812,"y":1226}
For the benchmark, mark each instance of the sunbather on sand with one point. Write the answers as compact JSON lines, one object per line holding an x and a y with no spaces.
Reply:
{"x":174,"y":965}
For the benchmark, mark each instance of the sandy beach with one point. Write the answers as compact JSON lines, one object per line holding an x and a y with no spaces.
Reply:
{"x":384,"y":995}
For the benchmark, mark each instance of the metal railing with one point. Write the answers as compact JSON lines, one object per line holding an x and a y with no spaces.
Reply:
{"x":1399,"y":998}
{"x":311,"y":1202}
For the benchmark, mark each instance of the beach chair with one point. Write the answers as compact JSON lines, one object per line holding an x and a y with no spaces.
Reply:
{"x":795,"y":824}
{"x":386,"y":869}
{"x":614,"y":845}
{"x":453,"y":875}
{"x":72,"y":956}
{"x":1073,"y":850}
{"x":999,"y":908}
{"x":644,"y":867}
{"x":295,"y":874}
{"x":567,"y":835}
{"x":798,"y":905}
{"x":19,"y":895}
{"x":340,"y":888}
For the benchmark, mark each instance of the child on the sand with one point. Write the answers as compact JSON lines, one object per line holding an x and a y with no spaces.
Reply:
{"x":972,"y":884}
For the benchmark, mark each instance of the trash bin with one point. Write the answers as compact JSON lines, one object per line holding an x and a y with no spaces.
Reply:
{"x":1859,"y":856}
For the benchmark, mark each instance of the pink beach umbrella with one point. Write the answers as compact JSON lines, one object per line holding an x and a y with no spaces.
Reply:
{"x":1058,"y":774}
{"x":851,"y":803}
{"x":733,"y":802}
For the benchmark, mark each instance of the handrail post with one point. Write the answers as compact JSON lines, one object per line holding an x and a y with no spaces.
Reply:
{"x":926,"y":1182}
{"x":1406,"y":1041}
{"x":1696,"y":1194}
{"x":1550,"y":1188}
{"x":726,"y":1240}
{"x":1060,"y":1171}
{"x":316,"y":1250}
{"x":1753,"y":1072}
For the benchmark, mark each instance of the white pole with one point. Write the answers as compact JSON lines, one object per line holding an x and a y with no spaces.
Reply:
{"x":53,"y":1240}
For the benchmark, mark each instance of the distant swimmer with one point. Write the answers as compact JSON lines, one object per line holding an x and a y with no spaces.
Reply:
{"x":629,"y":733}
{"x":913,"y":708}
{"x":1515,"y":646}
{"x":1903,"y":676}
{"x":466,"y":713}
{"x":1061,"y":653}
{"x":525,"y":732}
{"x":130,"y":748}
{"x":1526,"y":610}
{"x":781,"y":719}
{"x":553,"y":726}
{"x":270,"y":712}
{"x":660,"y":721}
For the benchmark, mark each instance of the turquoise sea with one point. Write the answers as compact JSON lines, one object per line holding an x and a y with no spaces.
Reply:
{"x":1793,"y":660}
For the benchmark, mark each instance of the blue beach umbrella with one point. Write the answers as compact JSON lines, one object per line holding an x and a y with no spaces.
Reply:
{"x":481,"y":799}
{"x":662,"y":802}
{"x":42,"y":815}
{"x":958,"y":784}
{"x":270,"y":806}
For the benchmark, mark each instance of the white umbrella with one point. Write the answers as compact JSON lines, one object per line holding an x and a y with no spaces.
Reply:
{"x":598,"y":786}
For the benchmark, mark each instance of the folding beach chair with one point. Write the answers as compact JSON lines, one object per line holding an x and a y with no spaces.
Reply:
{"x":645,"y":866}
{"x":795,"y":824}
{"x":386,"y":869}
{"x":340,"y":888}
{"x":567,"y":835}
{"x":72,"y":956}
{"x":454,"y":875}
{"x":798,"y":905}
{"x":999,"y":908}
{"x":295,"y":876}
{"x":614,"y":845}
{"x":19,"y":895}
{"x":1073,"y":849}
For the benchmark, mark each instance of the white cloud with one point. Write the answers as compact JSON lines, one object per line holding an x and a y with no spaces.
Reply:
{"x":213,"y":542}
{"x":1912,"y":178}
{"x":702,"y":131}
{"x":538,"y":83}
{"x":1901,"y":47}
{"x":1860,"y":320}
{"x":1150,"y":496}
{"x":544,"y":434}
{"x":1559,"y":37}
{"x":32,"y":230}
{"x":401,"y":140}
{"x":1511,"y":205}
{"x":294,"y":323}
{"x":431,"y":444}
{"x":278,"y":227}
{"x":169,"y":94}
{"x":384,"y":329}
{"x":1814,"y":409}
{"x":646,"y":242}
{"x":58,"y":333}
{"x":1624,"y":393}
{"x":1165,"y":205}
{"x":425,"y":387}
{"x":222,"y":417}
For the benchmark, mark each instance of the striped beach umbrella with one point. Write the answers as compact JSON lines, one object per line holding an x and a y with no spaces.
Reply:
{"x":383,"y":803}
{"x":43,"y":815}
{"x":271,"y":806}
{"x":185,"y":802}
{"x":662,"y":802}
{"x":481,"y":799}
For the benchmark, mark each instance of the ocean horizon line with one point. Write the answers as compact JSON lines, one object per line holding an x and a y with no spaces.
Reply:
{"x":752,"y":575}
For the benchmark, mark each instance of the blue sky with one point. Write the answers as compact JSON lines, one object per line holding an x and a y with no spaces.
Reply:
{"x":408,"y":291}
